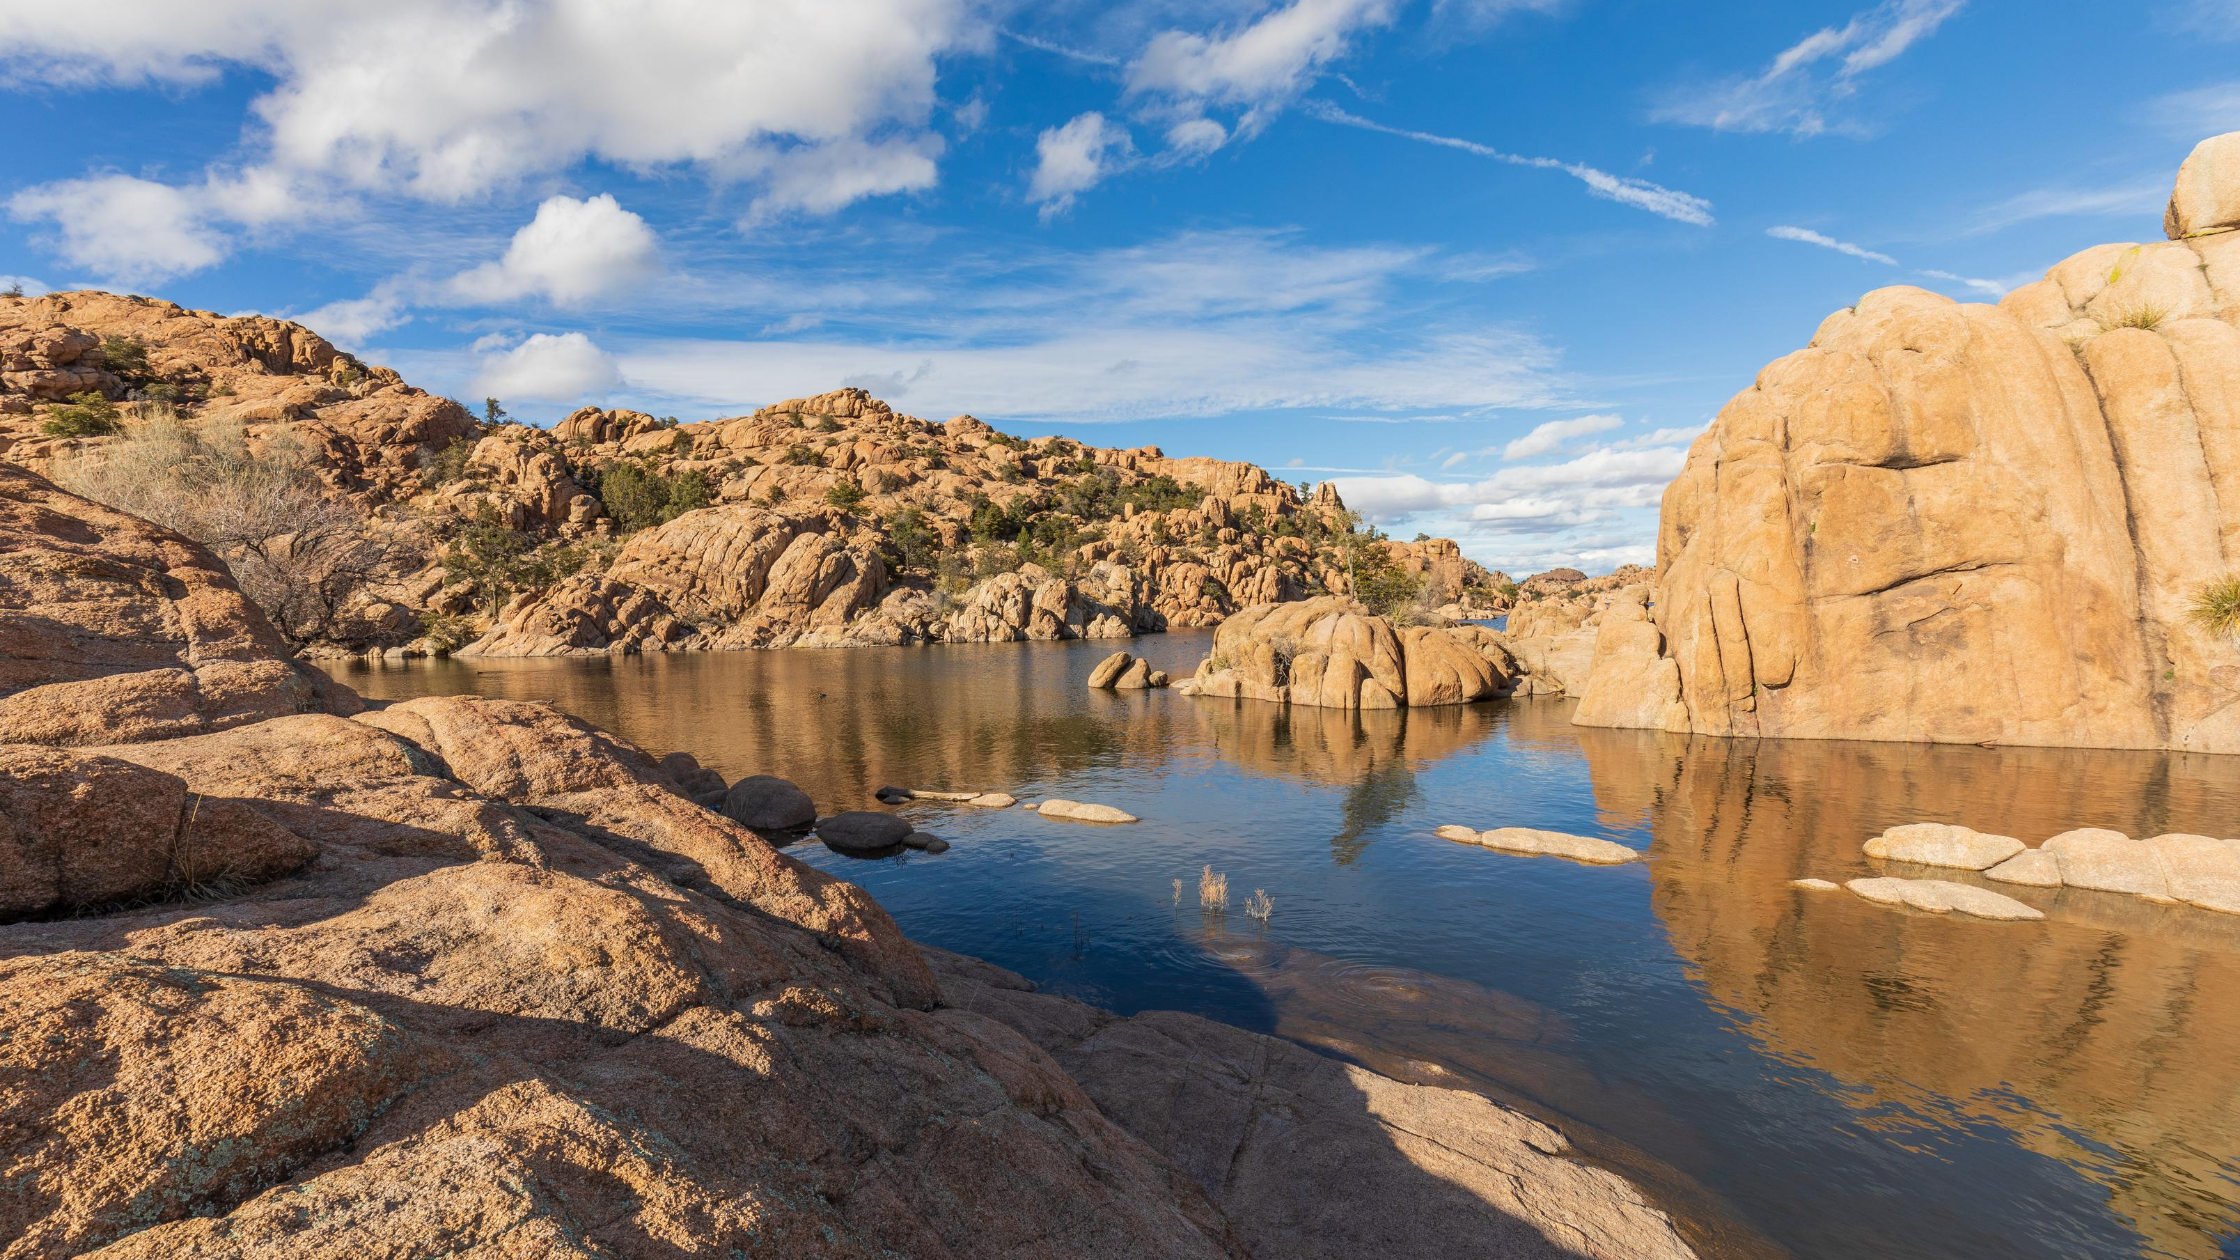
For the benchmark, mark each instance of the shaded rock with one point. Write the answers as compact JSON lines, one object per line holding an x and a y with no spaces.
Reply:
{"x":79,"y":830}
{"x":2200,"y":870}
{"x":2108,"y":861}
{"x":925,"y":841}
{"x":1314,"y":1159}
{"x":1078,"y":811}
{"x":1586,"y":849}
{"x":860,"y":831}
{"x":1939,"y":896}
{"x":1942,"y":844}
{"x":696,"y":781}
{"x":1108,"y":671}
{"x":2032,"y":868}
{"x":768,"y":803}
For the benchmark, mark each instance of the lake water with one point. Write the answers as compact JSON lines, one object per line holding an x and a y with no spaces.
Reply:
{"x":1790,"y":1073}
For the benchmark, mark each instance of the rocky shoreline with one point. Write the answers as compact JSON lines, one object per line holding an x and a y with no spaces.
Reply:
{"x":295,"y":976}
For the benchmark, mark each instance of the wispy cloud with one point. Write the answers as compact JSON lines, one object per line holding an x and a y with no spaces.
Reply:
{"x":1810,"y":237}
{"x":1806,"y":236}
{"x":1798,"y":91}
{"x":2142,"y":197}
{"x":1639,"y":193}
{"x":2198,"y":113}
{"x":1056,"y":49}
{"x":1555,"y":433}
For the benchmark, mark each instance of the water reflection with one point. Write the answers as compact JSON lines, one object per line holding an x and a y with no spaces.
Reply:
{"x":1808,"y":1074}
{"x":2102,"y":1038}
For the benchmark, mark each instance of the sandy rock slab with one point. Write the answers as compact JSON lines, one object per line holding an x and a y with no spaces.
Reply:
{"x":1081,"y":811}
{"x":1942,"y":844}
{"x":1939,"y":896}
{"x":1532,"y":841}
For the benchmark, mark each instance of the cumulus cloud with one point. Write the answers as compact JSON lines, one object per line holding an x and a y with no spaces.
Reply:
{"x":563,"y":367}
{"x":1195,"y":137}
{"x":1810,"y":237}
{"x":123,"y":228}
{"x":443,"y":100}
{"x":1555,"y":433}
{"x":1074,"y":158}
{"x":570,"y":253}
{"x":1799,"y":90}
{"x":1638,"y":193}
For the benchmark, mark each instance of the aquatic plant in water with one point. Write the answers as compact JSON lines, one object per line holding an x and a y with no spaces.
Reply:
{"x":1213,"y":890}
{"x":1259,"y":905}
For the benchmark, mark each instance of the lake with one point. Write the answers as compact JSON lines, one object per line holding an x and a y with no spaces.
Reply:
{"x":1790,"y":1073}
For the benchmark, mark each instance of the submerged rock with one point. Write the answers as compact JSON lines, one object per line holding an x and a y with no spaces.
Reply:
{"x":1942,"y":844}
{"x":1078,"y":811}
{"x":994,"y":800}
{"x":1458,"y":834}
{"x":768,"y":803}
{"x":1586,"y":849}
{"x":861,"y":831}
{"x":1939,"y":896}
{"x":1815,"y":885}
{"x":925,"y":841}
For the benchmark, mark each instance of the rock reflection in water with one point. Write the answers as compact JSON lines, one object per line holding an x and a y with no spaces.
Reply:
{"x":2103,"y":1037}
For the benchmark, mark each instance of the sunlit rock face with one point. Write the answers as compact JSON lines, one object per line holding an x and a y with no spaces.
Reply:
{"x":2101,"y":1017}
{"x":1957,"y":523}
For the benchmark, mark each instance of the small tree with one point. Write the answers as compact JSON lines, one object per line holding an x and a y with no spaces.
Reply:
{"x":845,"y":495}
{"x":14,"y":289}
{"x":490,"y":556}
{"x":492,"y":413}
{"x":125,"y":356}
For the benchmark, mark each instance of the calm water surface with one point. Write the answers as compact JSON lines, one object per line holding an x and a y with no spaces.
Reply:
{"x":1791,"y":1073}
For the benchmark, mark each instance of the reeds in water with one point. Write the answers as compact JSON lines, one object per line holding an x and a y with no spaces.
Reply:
{"x":1213,"y":890}
{"x":1178,"y":892}
{"x":1260,"y":905}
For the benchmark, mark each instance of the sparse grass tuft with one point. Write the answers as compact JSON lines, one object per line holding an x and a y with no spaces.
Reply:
{"x":2216,"y":607}
{"x":2145,"y":315}
{"x":1259,"y":905}
{"x":1213,"y":890}
{"x":1178,"y":892}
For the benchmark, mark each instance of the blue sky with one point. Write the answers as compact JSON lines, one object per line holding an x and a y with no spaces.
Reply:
{"x":1487,"y":263}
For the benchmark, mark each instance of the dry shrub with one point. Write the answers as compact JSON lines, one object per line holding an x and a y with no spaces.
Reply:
{"x":303,"y":553}
{"x":1259,"y":905}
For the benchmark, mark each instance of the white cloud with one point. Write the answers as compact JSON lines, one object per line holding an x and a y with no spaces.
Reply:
{"x":1072,"y":159}
{"x":1262,"y":63}
{"x":817,"y":103}
{"x":2144,"y":198}
{"x":1798,"y":91}
{"x":1810,"y":237}
{"x":1990,"y":288}
{"x":2198,"y":113}
{"x":1638,"y":193}
{"x":124,"y":229}
{"x":1555,"y":433}
{"x":2217,"y":19}
{"x":571,"y":252}
{"x":1195,"y":137}
{"x":557,"y":368}
{"x":350,"y":322}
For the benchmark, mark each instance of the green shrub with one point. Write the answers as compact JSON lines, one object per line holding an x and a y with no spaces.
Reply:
{"x":802,"y":456}
{"x":637,"y":497}
{"x":89,"y":414}
{"x":125,"y":356}
{"x":447,"y":465}
{"x":845,"y":495}
{"x":910,"y":542}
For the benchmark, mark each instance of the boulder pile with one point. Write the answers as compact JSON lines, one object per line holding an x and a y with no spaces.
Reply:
{"x":1960,"y":523}
{"x":1330,"y":652}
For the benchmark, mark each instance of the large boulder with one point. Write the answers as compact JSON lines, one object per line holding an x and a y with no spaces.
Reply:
{"x":1330,"y":652}
{"x":862,"y":831}
{"x":112,"y":630}
{"x":1967,"y":523}
{"x":768,"y":803}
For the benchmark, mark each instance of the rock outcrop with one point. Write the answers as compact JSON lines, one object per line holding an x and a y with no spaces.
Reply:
{"x":506,"y":988}
{"x":1955,"y":522}
{"x":1330,"y":652}
{"x":120,"y":631}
